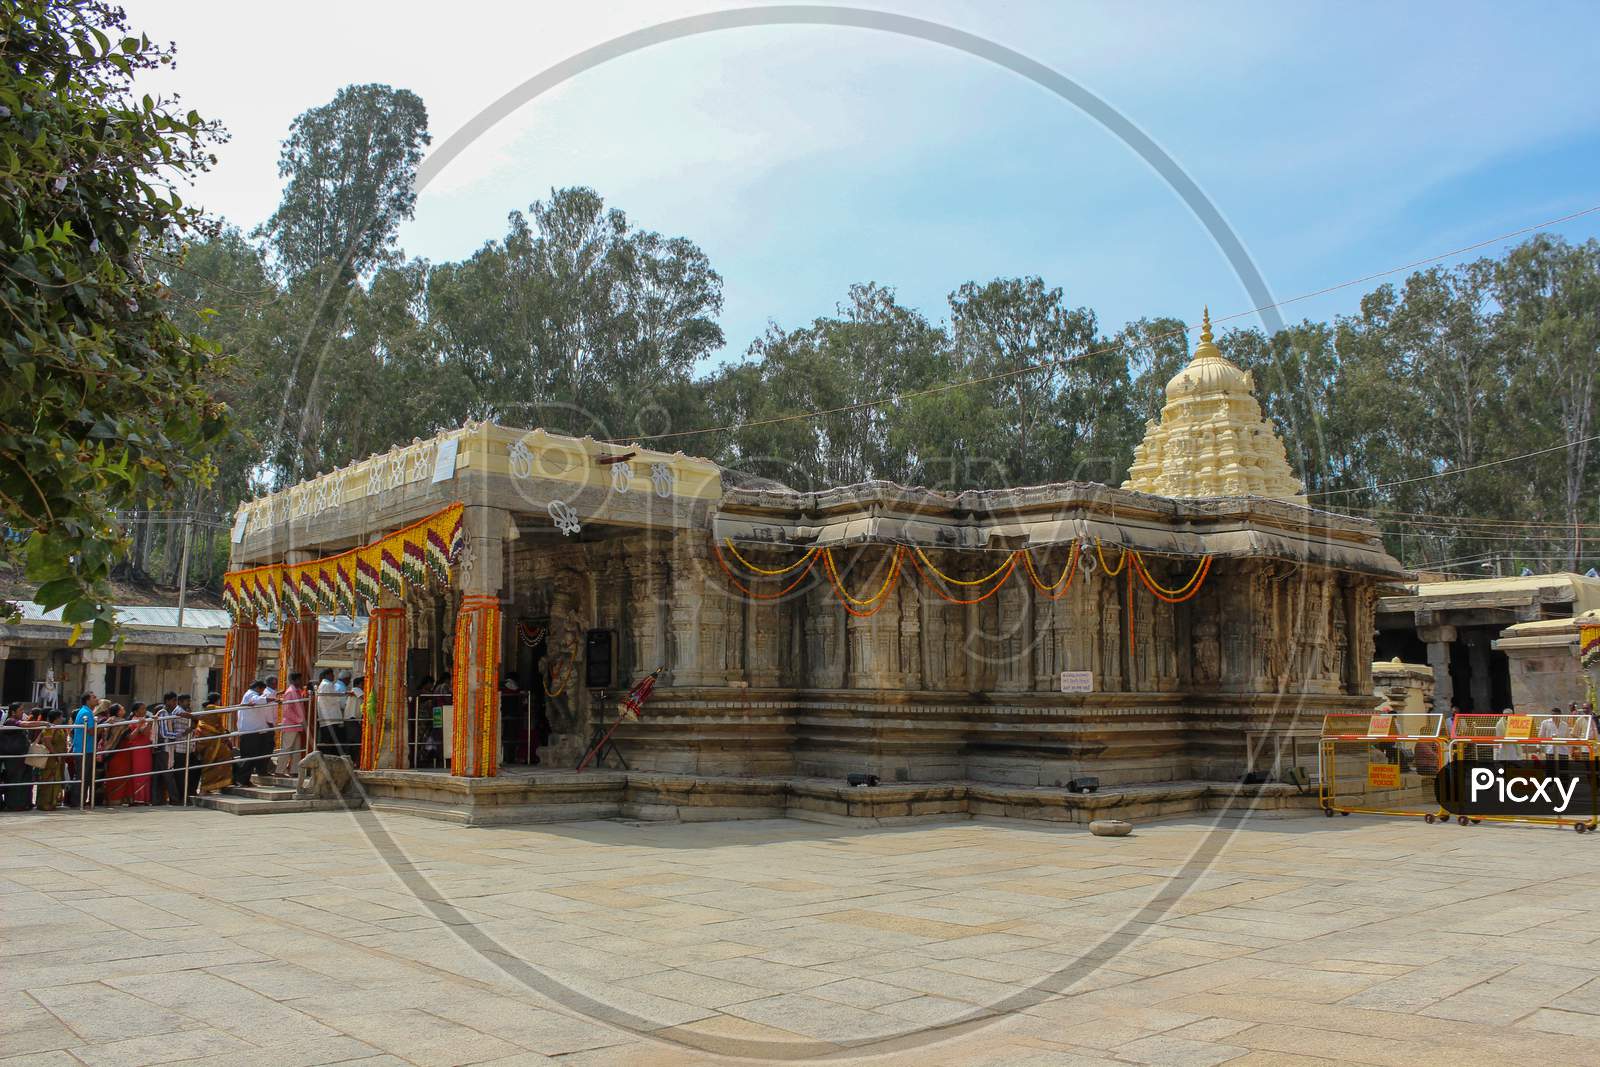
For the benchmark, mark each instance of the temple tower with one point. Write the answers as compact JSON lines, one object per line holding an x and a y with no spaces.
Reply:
{"x":1212,"y":439}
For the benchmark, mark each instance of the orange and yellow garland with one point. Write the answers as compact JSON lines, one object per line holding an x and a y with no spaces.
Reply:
{"x":1131,"y":561}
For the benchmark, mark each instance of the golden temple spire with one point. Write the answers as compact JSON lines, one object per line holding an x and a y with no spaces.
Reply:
{"x":1207,"y":348}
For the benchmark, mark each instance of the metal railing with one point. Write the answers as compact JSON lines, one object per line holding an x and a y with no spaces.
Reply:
{"x":87,"y":758}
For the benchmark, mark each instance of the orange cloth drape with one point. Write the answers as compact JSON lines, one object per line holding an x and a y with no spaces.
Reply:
{"x":383,"y":718}
{"x":475,"y":730}
{"x":241,"y":658}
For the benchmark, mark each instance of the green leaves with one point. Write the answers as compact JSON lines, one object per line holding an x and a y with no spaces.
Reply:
{"x":106,"y":401}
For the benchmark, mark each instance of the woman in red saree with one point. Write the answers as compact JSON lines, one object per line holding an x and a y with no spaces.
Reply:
{"x":127,"y":773}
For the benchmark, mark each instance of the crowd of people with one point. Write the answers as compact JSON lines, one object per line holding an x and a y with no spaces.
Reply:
{"x":106,"y":754}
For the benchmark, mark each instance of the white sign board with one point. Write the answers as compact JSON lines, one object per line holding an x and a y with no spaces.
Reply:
{"x":239,"y":522}
{"x":444,"y":460}
{"x":1077,"y":681}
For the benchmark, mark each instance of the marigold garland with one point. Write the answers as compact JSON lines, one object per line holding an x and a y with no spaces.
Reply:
{"x":753,"y":569}
{"x":878,"y":600}
{"x":476,"y":695}
{"x":1588,"y":646}
{"x":889,"y":579}
{"x":419,"y":554}
{"x":1064,"y":582}
{"x":812,"y":556}
{"x":1007,"y":567}
{"x":1105,"y":567}
{"x":1184,"y":592}
{"x":1010,"y":561}
{"x":571,"y":661}
{"x":934,"y":577}
{"x":385,"y":689}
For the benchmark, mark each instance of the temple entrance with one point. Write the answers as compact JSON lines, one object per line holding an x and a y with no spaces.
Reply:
{"x":524,"y":725}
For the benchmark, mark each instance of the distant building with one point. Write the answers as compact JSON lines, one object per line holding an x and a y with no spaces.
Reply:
{"x":156,"y":655}
{"x":1492,"y":643}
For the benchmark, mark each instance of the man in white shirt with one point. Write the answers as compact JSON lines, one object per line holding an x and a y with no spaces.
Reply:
{"x":330,"y":714}
{"x":355,"y":713}
{"x":258,"y":716}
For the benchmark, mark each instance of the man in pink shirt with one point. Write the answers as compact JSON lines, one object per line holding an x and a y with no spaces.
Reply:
{"x":293,"y":703}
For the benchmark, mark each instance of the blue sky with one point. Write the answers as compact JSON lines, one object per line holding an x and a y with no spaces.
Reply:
{"x":1336,"y":139}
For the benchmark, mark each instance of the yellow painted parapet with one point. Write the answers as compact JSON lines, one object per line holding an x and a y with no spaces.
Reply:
{"x":578,"y":461}
{"x":1212,"y":439}
{"x":491,"y":449}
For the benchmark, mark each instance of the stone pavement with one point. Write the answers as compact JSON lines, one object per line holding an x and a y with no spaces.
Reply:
{"x":196,"y":937}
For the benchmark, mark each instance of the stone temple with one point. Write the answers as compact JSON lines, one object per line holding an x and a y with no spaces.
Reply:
{"x":975,"y":651}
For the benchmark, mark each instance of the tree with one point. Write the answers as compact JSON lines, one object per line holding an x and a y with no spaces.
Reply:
{"x":351,"y":167}
{"x":1017,"y":324}
{"x":1550,"y":295}
{"x":578,"y":322}
{"x":874,"y":347}
{"x":107,"y":400}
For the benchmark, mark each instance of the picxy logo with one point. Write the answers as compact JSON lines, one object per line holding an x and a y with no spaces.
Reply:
{"x":1550,"y":788}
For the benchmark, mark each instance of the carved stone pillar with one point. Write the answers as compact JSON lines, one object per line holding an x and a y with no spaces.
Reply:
{"x":826,"y":654}
{"x":1142,"y":658}
{"x":1014,"y":671}
{"x":766,"y":635}
{"x":959,"y":665}
{"x":475,"y":695}
{"x":911,"y":656}
{"x":872,"y":639}
{"x":199,"y":665}
{"x":1439,"y":639}
{"x":1045,"y":642}
{"x":700,"y":598}
{"x":1164,"y":638}
{"x":1361,"y":600}
{"x":650,"y":581}
{"x":1110,"y":661}
{"x":1478,"y":658}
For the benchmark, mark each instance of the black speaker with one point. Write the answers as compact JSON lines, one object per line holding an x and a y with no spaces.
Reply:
{"x":1255,"y":778}
{"x":600,"y":659}
{"x":861,"y":779}
{"x":1086,"y":784}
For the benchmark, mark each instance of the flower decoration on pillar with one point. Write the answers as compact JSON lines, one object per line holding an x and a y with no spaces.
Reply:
{"x":621,"y":475}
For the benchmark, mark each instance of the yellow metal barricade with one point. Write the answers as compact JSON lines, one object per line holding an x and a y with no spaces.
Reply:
{"x":1368,"y":763}
{"x":1533,"y":736}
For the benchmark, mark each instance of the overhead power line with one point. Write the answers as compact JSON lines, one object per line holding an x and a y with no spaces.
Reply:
{"x":1053,"y":364}
{"x":1432,"y":520}
{"x":1459,"y":470}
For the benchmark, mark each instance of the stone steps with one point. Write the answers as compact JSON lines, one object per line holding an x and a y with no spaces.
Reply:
{"x":268,"y":794}
{"x":239,"y":805}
